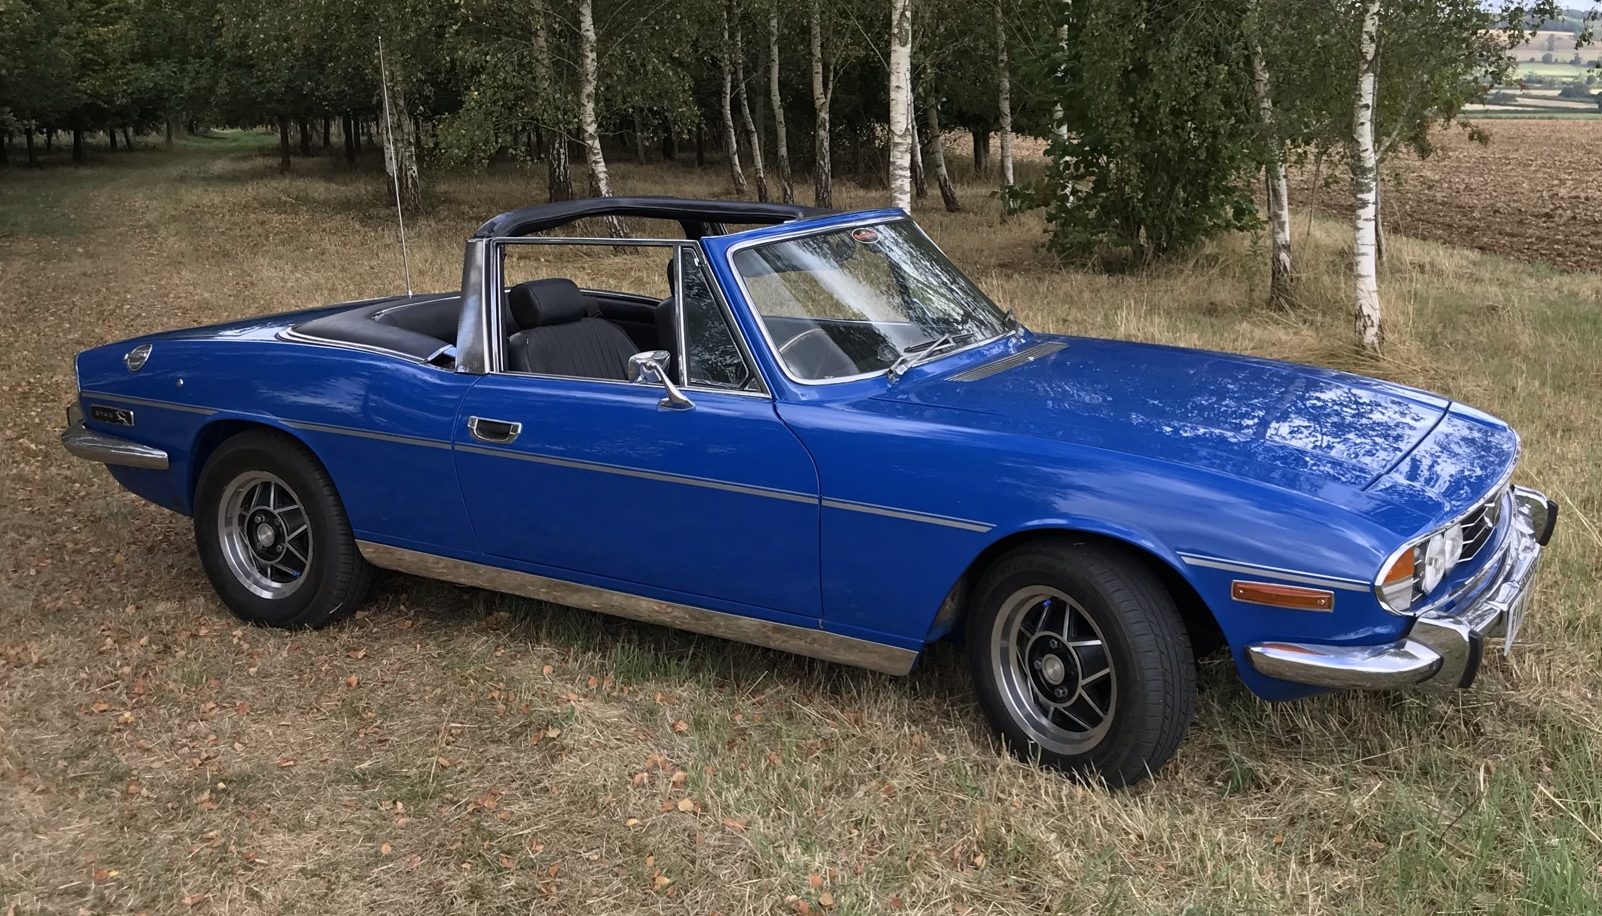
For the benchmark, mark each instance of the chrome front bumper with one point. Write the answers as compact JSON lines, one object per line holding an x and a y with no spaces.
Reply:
{"x":1441,"y":650}
{"x":90,"y":445}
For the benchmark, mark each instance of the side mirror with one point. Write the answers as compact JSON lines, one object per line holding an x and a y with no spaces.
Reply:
{"x":649,"y":368}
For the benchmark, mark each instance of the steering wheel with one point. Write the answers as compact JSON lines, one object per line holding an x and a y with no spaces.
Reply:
{"x":811,"y":354}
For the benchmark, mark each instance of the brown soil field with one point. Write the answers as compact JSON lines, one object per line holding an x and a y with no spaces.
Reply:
{"x":1532,"y":192}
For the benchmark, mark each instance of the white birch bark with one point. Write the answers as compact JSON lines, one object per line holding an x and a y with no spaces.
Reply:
{"x":1365,"y":172}
{"x":1004,"y":98}
{"x":901,"y":104}
{"x":731,"y":140}
{"x":1059,"y":119}
{"x":822,"y":91}
{"x":1279,"y":271}
{"x":781,"y":147}
{"x":400,"y":148}
{"x":600,"y":179}
{"x":558,"y":174}
{"x":753,"y":140}
{"x":936,"y":157}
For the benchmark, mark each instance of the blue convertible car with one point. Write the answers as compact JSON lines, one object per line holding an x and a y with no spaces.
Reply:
{"x":826,"y":439}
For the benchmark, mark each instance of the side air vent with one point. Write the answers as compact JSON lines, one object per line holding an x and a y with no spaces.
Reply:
{"x":1002,"y":365}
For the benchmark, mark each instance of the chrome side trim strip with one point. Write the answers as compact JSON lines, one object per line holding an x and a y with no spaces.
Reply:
{"x":806,"y":641}
{"x":1289,"y":575}
{"x":149,"y":402}
{"x":748,"y":489}
{"x":1028,"y":354}
{"x":366,"y":434}
{"x":908,"y":515}
{"x":94,"y":446}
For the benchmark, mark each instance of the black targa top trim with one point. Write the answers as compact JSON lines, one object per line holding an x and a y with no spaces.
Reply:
{"x":698,"y":217}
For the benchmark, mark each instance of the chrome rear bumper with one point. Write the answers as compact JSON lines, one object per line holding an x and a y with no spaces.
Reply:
{"x":1441,"y":650}
{"x":91,"y":445}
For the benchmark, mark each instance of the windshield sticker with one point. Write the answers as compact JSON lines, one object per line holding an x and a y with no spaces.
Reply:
{"x":865,"y":235}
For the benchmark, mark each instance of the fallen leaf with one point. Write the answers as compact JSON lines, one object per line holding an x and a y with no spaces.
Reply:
{"x":547,"y":670}
{"x":737,"y":824}
{"x":99,"y":706}
{"x":663,"y":881}
{"x":632,"y":822}
{"x":826,"y":900}
{"x":356,"y":653}
{"x":443,"y":762}
{"x":285,"y":763}
{"x":815,"y":880}
{"x":385,"y":849}
{"x":639,"y":779}
{"x":352,"y":681}
{"x":681,"y":726}
{"x":192,"y":899}
{"x":895,"y":902}
{"x":686,"y":805}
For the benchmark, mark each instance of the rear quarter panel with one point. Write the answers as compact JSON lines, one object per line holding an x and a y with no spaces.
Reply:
{"x":379,"y":424}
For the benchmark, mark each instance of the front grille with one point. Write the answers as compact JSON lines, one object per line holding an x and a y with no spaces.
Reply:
{"x":1480,"y":525}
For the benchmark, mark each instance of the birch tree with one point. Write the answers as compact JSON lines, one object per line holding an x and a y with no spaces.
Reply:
{"x":901,"y":104}
{"x":1365,"y":170}
{"x":731,"y":140}
{"x":936,"y":157}
{"x":822,"y":94}
{"x":753,"y":139}
{"x":781,"y":148}
{"x":600,"y":180}
{"x":1279,"y":272}
{"x":1004,"y":104}
{"x":553,"y":124}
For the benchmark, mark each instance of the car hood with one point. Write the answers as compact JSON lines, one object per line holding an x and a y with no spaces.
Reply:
{"x":1293,"y":426}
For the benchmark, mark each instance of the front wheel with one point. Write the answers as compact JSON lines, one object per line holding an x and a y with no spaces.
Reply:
{"x":273,"y":536}
{"x":1081,"y":661}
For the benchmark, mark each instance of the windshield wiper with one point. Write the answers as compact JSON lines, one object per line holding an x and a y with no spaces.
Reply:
{"x":923,"y":351}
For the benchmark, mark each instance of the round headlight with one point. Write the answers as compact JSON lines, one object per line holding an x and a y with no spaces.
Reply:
{"x":1440,"y":555}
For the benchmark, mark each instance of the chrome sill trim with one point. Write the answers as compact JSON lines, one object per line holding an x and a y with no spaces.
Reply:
{"x":89,"y":445}
{"x":1289,"y":575}
{"x":813,"y":643}
{"x":685,"y":479}
{"x":907,"y":515}
{"x":366,"y":434}
{"x":148,"y":402}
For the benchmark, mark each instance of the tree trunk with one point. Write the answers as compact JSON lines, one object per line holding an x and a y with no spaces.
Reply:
{"x":1279,"y":271}
{"x":5,"y":144}
{"x":920,"y":181}
{"x":305,"y":139}
{"x":400,"y":147}
{"x":731,"y":143}
{"x":283,"y":144}
{"x":600,"y":180}
{"x":822,"y":91}
{"x":28,"y":132}
{"x":901,"y":104}
{"x":347,"y":133}
{"x":753,"y":138}
{"x":1004,"y":104}
{"x":1380,"y":245}
{"x":327,"y":129}
{"x":1365,"y":175}
{"x":111,"y":137}
{"x":1059,"y":120}
{"x":50,"y":139}
{"x":782,"y":142}
{"x":670,"y":144}
{"x":77,"y":144}
{"x":558,"y":171}
{"x":167,"y":142}
{"x":936,"y":156}
{"x":981,"y":151}
{"x":700,"y":143}
{"x":639,"y":138}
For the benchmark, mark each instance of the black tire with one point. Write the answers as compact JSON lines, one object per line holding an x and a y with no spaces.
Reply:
{"x":334,"y":578}
{"x":1107,"y":597}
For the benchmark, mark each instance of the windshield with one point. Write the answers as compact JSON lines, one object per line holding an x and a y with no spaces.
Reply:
{"x":858,"y":301}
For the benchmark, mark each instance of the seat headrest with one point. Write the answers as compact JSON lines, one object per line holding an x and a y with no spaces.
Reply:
{"x":541,"y":303}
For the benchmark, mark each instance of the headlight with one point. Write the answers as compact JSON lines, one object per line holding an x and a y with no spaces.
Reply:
{"x":1417,"y":570}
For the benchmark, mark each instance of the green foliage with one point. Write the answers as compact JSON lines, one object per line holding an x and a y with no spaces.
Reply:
{"x":1158,"y":95}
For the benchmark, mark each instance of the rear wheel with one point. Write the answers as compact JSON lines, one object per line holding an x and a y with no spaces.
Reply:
{"x":273,"y":536}
{"x":1081,"y":660}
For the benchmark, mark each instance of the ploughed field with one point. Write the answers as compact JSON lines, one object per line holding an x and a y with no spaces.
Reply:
{"x":1533,"y":192}
{"x":452,"y":750}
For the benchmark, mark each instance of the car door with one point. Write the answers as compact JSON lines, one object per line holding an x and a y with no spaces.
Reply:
{"x":713,"y":505}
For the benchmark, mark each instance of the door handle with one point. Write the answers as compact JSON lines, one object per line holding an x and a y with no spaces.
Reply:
{"x":499,"y":432}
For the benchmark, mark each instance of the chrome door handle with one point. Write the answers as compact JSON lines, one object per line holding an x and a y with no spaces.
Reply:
{"x":499,"y":432}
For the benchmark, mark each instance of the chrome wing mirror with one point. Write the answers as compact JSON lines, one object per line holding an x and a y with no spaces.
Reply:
{"x":650,"y":368}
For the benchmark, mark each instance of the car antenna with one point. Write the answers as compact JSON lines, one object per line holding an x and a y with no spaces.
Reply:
{"x":393,"y":165}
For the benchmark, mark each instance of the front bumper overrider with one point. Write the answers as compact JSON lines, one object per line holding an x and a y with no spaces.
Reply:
{"x":1443,"y":649}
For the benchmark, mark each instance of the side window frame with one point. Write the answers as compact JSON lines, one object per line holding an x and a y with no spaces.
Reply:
{"x":681,"y":359}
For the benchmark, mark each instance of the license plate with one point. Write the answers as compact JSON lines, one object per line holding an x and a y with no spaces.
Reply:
{"x":1515,"y":619}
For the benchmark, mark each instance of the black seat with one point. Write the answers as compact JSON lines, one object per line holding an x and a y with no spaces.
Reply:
{"x":559,"y":337}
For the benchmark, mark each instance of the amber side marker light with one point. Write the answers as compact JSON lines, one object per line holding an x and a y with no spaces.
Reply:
{"x":1287,"y":596}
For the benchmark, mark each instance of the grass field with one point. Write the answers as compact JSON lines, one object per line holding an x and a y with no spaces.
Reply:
{"x":455,"y":751}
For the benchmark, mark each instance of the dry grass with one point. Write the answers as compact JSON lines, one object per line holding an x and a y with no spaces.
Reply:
{"x":457,"y":751}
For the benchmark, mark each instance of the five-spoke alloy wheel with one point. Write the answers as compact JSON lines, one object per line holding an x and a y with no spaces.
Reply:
{"x":273,"y":536}
{"x":1081,"y":660}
